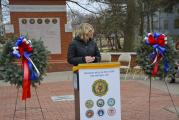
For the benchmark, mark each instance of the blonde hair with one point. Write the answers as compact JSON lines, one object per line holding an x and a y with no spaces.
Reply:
{"x":75,"y":32}
{"x":84,"y":30}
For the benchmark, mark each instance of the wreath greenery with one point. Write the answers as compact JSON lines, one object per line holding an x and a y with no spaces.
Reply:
{"x":143,"y":59}
{"x":11,"y":72}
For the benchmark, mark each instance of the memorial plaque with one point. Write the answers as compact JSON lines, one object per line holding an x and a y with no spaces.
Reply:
{"x":45,"y":29}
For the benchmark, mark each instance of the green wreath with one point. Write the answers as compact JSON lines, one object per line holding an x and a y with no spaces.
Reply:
{"x":11,"y":72}
{"x":143,"y":59}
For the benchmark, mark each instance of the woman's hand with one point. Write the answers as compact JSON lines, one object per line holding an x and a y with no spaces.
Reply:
{"x":89,"y":59}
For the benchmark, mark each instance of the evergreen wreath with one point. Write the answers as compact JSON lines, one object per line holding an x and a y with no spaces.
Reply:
{"x":144,"y":52}
{"x":11,"y":72}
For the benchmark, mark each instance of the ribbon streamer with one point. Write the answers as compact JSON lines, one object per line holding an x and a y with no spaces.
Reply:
{"x":23,"y":49}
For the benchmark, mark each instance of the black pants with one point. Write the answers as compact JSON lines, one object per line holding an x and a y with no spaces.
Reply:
{"x":76,"y":79}
{"x":76,"y":93}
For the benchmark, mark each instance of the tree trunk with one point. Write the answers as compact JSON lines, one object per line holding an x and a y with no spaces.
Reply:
{"x":142,"y":25}
{"x":142,"y":19}
{"x":152,"y":22}
{"x":131,"y":26}
{"x":148,"y":17}
{"x":100,"y":43}
{"x":118,"y":44}
{"x":110,"y":42}
{"x":148,"y":22}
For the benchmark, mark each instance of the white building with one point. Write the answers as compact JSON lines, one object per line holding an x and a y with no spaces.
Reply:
{"x":167,"y":22}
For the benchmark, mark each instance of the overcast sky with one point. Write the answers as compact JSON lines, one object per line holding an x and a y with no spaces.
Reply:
{"x":91,"y":6}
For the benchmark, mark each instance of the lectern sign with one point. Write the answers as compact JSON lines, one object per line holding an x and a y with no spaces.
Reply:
{"x":99,"y":92}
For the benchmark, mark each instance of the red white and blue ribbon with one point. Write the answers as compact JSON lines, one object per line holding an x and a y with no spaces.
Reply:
{"x":158,"y":42}
{"x":23,"y":49}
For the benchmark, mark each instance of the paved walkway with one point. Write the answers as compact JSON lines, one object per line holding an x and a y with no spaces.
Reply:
{"x":134,"y":95}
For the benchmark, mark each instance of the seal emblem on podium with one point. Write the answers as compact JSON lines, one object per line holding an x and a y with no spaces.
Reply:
{"x":100,"y":87}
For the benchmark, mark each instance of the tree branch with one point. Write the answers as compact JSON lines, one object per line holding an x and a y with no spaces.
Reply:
{"x":102,"y":2}
{"x":82,"y":6}
{"x":71,"y":9}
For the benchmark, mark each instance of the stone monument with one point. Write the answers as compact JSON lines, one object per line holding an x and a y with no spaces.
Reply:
{"x":47,"y":21}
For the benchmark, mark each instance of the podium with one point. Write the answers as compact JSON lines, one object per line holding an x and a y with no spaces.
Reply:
{"x":97,"y":91}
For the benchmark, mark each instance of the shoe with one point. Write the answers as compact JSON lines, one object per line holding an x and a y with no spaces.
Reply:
{"x":172,"y":81}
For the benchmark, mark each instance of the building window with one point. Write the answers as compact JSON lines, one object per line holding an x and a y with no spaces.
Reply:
{"x":155,"y":25}
{"x":165,"y":24}
{"x":176,"y":23}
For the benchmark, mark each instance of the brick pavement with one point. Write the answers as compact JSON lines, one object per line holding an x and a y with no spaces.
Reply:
{"x":134,"y":102}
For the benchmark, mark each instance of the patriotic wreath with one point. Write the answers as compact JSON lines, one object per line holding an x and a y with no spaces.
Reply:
{"x":33,"y":63}
{"x":156,"y":55}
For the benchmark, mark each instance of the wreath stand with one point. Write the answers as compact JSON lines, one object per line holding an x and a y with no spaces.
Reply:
{"x":25,"y":113}
{"x":150,"y":80}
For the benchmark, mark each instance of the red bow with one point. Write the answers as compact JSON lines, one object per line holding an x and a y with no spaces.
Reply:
{"x":160,"y":40}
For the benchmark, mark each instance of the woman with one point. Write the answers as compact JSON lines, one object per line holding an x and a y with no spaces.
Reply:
{"x":83,"y":48}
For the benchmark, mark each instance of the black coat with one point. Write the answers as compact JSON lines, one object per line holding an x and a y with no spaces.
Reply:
{"x":78,"y":49}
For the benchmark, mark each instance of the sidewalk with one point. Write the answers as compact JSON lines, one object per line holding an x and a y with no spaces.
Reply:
{"x":134,"y":95}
